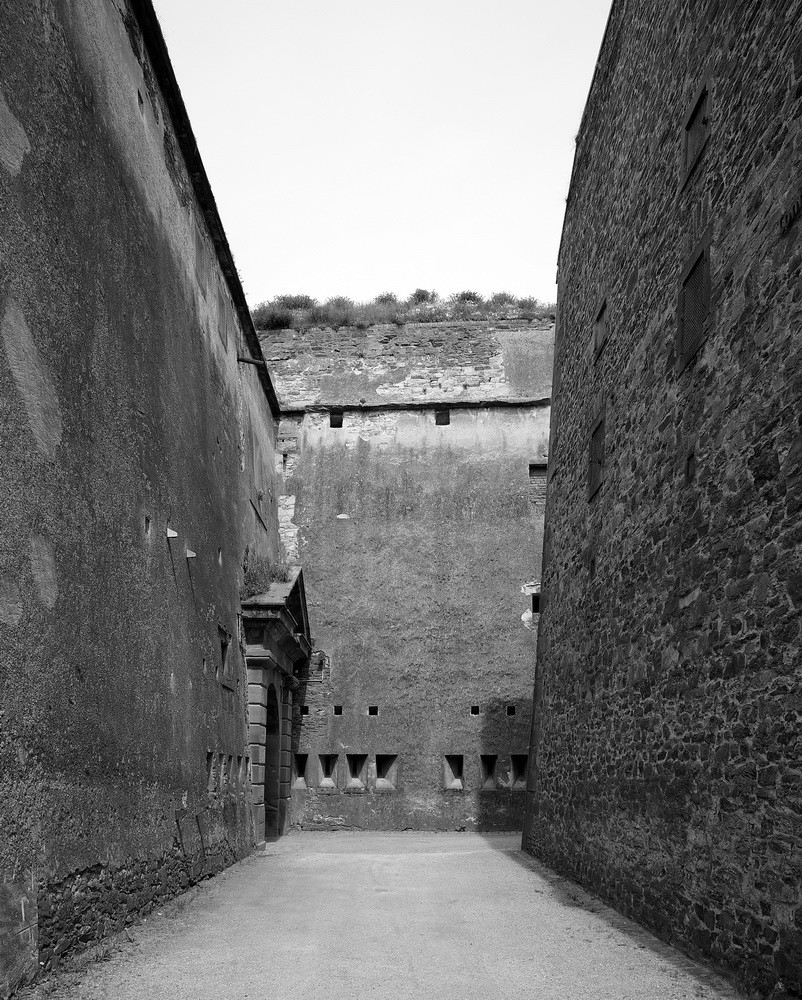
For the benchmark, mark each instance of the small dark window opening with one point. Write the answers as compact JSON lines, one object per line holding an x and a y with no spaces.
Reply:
{"x":442,"y":417}
{"x":697,"y":130}
{"x":489,"y":762}
{"x":592,"y":567}
{"x":328,"y":770}
{"x":335,"y":418}
{"x":301,"y":762}
{"x":225,"y":643}
{"x":600,"y":329}
{"x":474,"y":709}
{"x":356,"y":767}
{"x":510,"y":709}
{"x":386,"y":773}
{"x":338,"y":710}
{"x":373,"y":709}
{"x":535,"y":604}
{"x":304,"y":710}
{"x":452,"y":772}
{"x":596,"y":459}
{"x":519,"y":762}
{"x":690,"y":467}
{"x":694,"y":308}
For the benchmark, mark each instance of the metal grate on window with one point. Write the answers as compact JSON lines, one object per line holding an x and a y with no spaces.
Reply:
{"x":596,"y":458}
{"x":695,"y":306}
{"x":696,"y":129}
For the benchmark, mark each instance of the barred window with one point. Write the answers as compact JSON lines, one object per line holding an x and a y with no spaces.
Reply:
{"x":694,"y":307}
{"x":596,"y":458}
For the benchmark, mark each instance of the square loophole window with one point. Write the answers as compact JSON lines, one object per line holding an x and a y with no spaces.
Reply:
{"x":442,"y":417}
{"x":335,"y":418}
{"x":510,"y":709}
{"x":373,"y":709}
{"x":304,"y":710}
{"x":474,"y":709}
{"x":489,"y":762}
{"x":386,"y":772}
{"x":338,"y":710}
{"x":453,"y":772}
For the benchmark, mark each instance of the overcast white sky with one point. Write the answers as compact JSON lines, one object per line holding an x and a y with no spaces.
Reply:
{"x":362,"y":146}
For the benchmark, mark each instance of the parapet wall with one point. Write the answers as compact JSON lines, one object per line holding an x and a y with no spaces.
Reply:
{"x":386,"y":364}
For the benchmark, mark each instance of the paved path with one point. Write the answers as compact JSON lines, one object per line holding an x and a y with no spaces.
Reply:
{"x":395,"y":916}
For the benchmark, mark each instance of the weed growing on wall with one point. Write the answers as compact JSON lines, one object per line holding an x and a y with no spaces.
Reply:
{"x":302,"y":312}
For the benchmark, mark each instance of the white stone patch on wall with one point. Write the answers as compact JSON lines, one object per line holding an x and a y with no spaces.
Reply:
{"x":378,"y":428}
{"x":451,"y":383}
{"x":32,"y":380}
{"x":14,"y":143}
{"x":287,"y":528}
{"x":43,"y":568}
{"x":10,"y":603}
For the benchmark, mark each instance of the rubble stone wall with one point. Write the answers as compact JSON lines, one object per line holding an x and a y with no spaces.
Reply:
{"x":666,"y":734}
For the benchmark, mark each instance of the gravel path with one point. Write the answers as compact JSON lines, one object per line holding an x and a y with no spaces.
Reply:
{"x":396,"y":916}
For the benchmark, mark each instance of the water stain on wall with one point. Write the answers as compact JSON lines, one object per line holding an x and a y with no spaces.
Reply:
{"x":13,"y":140}
{"x":32,"y":380}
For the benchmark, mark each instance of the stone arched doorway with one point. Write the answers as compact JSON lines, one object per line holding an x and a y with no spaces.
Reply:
{"x":272,"y":764}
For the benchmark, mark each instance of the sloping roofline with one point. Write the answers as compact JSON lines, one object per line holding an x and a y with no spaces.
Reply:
{"x":171,"y":92}
{"x":289,"y":594}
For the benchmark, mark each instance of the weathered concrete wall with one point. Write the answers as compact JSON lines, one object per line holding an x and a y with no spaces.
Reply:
{"x":417,"y":542}
{"x":667,"y":714}
{"x":122,"y":414}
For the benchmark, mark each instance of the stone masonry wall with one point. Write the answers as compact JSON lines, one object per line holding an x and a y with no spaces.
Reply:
{"x":385,"y":364}
{"x":419,"y":544}
{"x":666,"y":733}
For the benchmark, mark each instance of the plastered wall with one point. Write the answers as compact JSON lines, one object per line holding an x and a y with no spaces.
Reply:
{"x":129,"y":494}
{"x":420,"y":545}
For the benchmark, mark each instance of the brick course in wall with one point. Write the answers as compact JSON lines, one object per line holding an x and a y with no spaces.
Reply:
{"x":666,"y":730}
